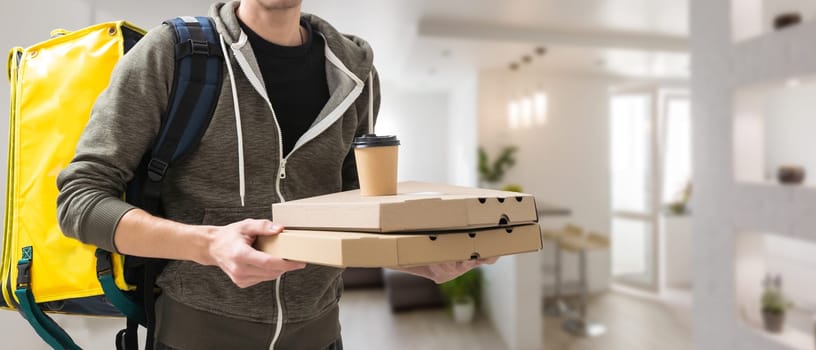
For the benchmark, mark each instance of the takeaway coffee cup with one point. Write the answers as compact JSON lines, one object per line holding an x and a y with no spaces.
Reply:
{"x":377,"y":164}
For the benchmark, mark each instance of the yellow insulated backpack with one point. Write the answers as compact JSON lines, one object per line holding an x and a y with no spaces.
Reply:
{"x":54,"y":85}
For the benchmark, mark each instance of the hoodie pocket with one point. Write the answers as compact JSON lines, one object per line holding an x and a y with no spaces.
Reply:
{"x":209,"y":288}
{"x":226,"y":216}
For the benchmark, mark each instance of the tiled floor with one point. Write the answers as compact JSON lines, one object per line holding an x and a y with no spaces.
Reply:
{"x":368,"y":323}
{"x":633,"y":323}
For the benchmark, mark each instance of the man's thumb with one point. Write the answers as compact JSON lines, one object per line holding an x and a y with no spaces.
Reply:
{"x":269,"y":228}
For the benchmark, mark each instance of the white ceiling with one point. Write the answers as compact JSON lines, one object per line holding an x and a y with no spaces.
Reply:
{"x":427,"y":43}
{"x":580,"y":35}
{"x":661,"y":16}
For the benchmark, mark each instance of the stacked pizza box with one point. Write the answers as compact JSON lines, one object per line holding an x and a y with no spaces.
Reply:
{"x":423,"y":224}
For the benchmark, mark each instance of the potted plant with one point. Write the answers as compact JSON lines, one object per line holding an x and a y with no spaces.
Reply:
{"x":774,"y":304}
{"x":680,"y":205}
{"x":462,"y":294}
{"x":491,"y":172}
{"x":512,"y":188}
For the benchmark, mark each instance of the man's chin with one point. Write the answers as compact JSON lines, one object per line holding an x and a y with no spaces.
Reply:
{"x":278,"y":4}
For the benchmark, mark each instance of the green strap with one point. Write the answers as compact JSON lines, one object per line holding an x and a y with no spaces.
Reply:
{"x":45,"y":327}
{"x":121,"y":301}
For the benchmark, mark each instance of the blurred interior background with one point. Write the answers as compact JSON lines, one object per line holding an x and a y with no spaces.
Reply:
{"x":666,"y":222}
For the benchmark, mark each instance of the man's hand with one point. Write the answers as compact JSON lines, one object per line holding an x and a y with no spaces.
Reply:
{"x":441,"y":273}
{"x":231,"y":250}
{"x":228,"y":247}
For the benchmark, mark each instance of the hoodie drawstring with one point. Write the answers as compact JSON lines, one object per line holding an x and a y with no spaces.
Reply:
{"x":238,"y":128}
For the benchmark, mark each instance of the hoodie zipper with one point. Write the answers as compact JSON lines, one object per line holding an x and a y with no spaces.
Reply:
{"x":283,"y":168}
{"x":281,"y":175}
{"x":314,"y":132}
{"x":253,"y":79}
{"x":308,"y":136}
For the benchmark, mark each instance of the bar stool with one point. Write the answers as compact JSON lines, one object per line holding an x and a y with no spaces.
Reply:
{"x":576,"y":323}
{"x":557,"y":307}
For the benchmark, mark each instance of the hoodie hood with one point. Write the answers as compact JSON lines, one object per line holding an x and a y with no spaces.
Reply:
{"x":348,"y":65}
{"x":355,"y":53}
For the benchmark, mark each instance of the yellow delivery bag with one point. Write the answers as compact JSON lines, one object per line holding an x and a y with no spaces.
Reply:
{"x":54,"y":84}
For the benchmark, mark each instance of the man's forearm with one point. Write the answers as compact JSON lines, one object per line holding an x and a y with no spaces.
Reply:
{"x":145,"y":235}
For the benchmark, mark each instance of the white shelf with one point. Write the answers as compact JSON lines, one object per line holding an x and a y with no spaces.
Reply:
{"x":758,"y":255}
{"x":754,"y":336}
{"x":777,"y":55}
{"x":789,"y":338}
{"x":730,"y":144}
{"x":784,"y":210}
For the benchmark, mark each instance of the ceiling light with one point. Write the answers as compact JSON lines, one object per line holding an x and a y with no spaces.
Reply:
{"x":526,"y":112}
{"x":513,"y":114}
{"x":541,"y":106}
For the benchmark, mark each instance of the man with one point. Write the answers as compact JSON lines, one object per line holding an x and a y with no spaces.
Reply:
{"x":294,"y":97}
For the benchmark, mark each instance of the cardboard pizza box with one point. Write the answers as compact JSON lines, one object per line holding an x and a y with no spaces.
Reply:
{"x":355,"y":249}
{"x":417,"y":206}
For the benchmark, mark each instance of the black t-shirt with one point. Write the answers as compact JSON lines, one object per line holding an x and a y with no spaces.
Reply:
{"x":295,"y":79}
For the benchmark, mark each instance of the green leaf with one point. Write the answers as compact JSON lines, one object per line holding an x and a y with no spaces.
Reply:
{"x":468,"y":284}
{"x":495,"y":171}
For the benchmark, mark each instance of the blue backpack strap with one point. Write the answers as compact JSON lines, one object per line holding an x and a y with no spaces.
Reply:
{"x":199,"y":73}
{"x":193,"y":98}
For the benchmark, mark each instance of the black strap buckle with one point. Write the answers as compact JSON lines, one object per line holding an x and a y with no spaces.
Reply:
{"x":199,"y":47}
{"x":104,"y":266}
{"x":156,"y":169}
{"x":196,"y":47}
{"x":23,"y":275}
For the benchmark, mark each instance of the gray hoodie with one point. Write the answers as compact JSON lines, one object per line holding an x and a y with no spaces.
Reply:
{"x":222,"y":181}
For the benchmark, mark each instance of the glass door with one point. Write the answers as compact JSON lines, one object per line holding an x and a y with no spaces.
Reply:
{"x":676,"y":145}
{"x":633,"y":211}
{"x":651,"y":165}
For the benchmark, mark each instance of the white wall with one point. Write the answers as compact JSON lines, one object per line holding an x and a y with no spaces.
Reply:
{"x":728,"y":260}
{"x":462,"y":131}
{"x":421,"y":122}
{"x":754,"y":17}
{"x":676,"y":254}
{"x":512,"y":300}
{"x":789,"y":125}
{"x":792,"y":258}
{"x":749,"y":136}
{"x":566,"y":161}
{"x":772,"y":127}
{"x":759,"y":254}
{"x":563,"y":163}
{"x":773,"y":8}
{"x":783,"y":119}
{"x":747,"y":19}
